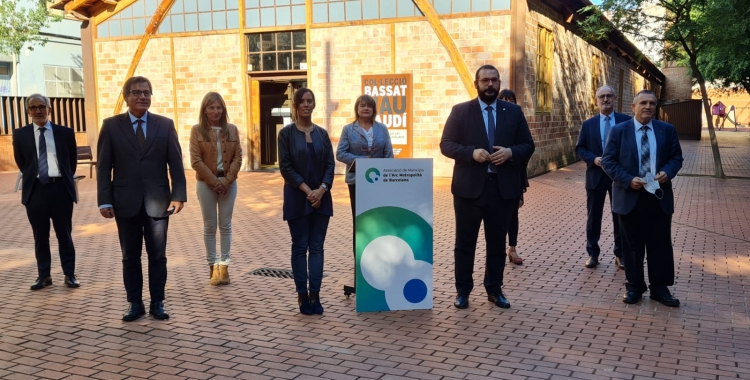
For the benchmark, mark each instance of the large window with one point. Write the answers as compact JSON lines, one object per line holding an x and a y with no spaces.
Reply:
{"x":4,"y":69}
{"x":279,"y":51}
{"x":130,"y":21}
{"x":544,"y":54}
{"x":201,"y":15}
{"x":63,"y":82}
{"x":265,"y":13}
{"x":354,"y":10}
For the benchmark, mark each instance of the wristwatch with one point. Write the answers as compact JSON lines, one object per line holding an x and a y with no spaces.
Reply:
{"x":324,"y":186}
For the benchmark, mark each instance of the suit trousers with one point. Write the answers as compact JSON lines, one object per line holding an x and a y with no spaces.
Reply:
{"x":132,"y":233}
{"x":495,"y":212}
{"x":52,"y":201}
{"x":647,"y":229}
{"x":513,"y":224}
{"x":595,"y":206}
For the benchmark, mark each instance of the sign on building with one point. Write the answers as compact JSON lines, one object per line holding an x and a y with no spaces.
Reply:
{"x":393,"y":94}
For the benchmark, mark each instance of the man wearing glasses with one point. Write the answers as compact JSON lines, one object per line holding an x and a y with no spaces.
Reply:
{"x":136,"y":149}
{"x":590,"y":147}
{"x":46,"y":156}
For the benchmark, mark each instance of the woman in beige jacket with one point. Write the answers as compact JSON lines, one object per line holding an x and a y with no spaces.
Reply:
{"x":216,"y":157}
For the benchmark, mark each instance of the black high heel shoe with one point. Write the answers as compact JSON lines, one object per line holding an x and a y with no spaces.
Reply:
{"x":305,"y":307}
{"x":315,"y":304}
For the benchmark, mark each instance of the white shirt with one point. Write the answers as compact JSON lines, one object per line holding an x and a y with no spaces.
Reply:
{"x":52,"y":163}
{"x":651,"y":143}
{"x":219,"y":158}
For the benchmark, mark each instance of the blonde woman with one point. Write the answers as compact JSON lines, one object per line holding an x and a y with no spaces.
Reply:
{"x":216,"y":157}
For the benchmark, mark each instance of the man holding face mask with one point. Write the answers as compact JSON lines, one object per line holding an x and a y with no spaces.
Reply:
{"x":642,"y":156}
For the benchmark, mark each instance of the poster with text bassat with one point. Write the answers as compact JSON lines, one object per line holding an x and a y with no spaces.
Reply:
{"x":393,"y":95}
{"x":394,"y":234}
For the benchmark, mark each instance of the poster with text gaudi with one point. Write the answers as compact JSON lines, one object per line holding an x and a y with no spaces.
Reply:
{"x":393,"y":95}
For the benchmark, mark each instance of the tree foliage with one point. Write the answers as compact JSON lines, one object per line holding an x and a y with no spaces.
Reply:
{"x":21,"y":23}
{"x":727,"y":59}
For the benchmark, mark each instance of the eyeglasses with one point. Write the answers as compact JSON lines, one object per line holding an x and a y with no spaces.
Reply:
{"x":36,"y":108}
{"x":606,"y":96}
{"x":138,"y":93}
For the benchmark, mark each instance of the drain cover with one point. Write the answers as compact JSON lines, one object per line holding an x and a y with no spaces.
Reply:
{"x":273,"y":272}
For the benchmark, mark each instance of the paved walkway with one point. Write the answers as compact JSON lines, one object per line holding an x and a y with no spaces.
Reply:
{"x":566,"y":321}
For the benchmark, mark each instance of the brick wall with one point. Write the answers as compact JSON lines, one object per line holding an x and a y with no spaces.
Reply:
{"x":679,"y":83}
{"x":8,"y":163}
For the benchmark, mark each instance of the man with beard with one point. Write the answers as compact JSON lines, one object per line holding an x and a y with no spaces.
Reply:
{"x":590,"y":148}
{"x":489,"y":140}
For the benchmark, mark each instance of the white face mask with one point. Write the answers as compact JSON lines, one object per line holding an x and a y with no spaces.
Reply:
{"x":652,"y":186}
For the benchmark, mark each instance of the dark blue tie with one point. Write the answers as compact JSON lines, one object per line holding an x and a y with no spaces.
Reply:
{"x":139,"y":135}
{"x":491,"y":133}
{"x":645,"y":152}
{"x":607,"y":126}
{"x":43,"y":167}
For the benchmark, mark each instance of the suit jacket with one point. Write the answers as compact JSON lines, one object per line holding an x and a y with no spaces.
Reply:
{"x":128,"y":178}
{"x":465,"y":131}
{"x":353,"y":140}
{"x":25,"y":153}
{"x":622,"y":161}
{"x":589,"y":147}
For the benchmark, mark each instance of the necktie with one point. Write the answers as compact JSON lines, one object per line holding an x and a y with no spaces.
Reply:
{"x":606,"y":131}
{"x":43,"y":167}
{"x":491,"y":132}
{"x":139,"y":135}
{"x":645,"y":152}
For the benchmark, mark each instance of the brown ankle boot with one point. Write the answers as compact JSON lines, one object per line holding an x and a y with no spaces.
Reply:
{"x":224,"y":274}
{"x":215,"y":279}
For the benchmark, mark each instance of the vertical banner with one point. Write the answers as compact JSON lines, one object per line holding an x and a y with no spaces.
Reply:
{"x":393,"y":94}
{"x":393,"y":234}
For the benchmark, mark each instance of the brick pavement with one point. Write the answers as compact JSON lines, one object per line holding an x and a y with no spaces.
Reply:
{"x":566,"y":321}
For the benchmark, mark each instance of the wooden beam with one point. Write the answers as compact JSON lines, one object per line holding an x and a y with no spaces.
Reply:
{"x":450,"y":46}
{"x":110,"y":2}
{"x":76,"y":4}
{"x":83,"y":16}
{"x":151,"y":29}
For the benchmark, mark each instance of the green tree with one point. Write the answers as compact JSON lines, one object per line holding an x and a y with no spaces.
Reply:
{"x":727,"y":60}
{"x":20,"y":24}
{"x":685,"y":31}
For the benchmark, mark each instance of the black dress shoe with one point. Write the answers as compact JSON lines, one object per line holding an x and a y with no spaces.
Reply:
{"x":71,"y":281}
{"x":592,"y":262}
{"x":135,"y":311}
{"x":41,"y":283}
{"x":157,"y":310}
{"x":665,"y":298}
{"x":499,"y":300}
{"x":618,"y":262}
{"x":631,"y":297}
{"x":462,"y":302}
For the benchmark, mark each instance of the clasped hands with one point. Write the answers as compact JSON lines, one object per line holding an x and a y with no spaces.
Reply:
{"x":500,"y":155}
{"x":219,"y":188}
{"x":638,"y":182}
{"x":315,"y":196}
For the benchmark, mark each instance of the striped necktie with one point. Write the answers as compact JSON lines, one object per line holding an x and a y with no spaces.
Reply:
{"x":43,"y":167}
{"x":645,"y":152}
{"x":139,"y":135}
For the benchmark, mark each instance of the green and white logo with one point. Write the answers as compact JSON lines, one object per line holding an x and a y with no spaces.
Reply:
{"x":370,"y":177}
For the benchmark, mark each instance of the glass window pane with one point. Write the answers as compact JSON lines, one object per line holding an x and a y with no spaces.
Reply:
{"x":204,"y":5}
{"x":252,"y":18}
{"x":406,"y":8}
{"x":166,"y":25}
{"x":251,"y":4}
{"x":282,"y":2}
{"x":336,"y":11}
{"x":387,"y":8}
{"x":232,"y":4}
{"x":268,"y":42}
{"x":353,"y":10}
{"x":219,"y":20}
{"x":63,"y":74}
{"x":191,"y":6}
{"x":126,"y":12}
{"x":299,"y":1}
{"x":177,"y":7}
{"x":298,"y":38}
{"x":369,"y":9}
{"x":443,"y":7}
{"x":285,"y":61}
{"x":204,"y":21}
{"x":138,"y":8}
{"x":191,"y":22}
{"x":218,"y":5}
{"x":266,"y":3}
{"x":253,"y":42}
{"x":178,"y":23}
{"x":283,"y":16}
{"x":267,"y":17}
{"x":500,"y":4}
{"x":253,"y":62}
{"x":480,"y":5}
{"x":299,"y":57}
{"x":298,"y":15}
{"x":127,"y":27}
{"x":114,"y":28}
{"x":320,"y":13}
{"x":461,"y":6}
{"x":150,"y":7}
{"x":269,"y":61}
{"x":139,"y":25}
{"x":233,"y":20}
{"x":50,"y":88}
{"x":76,"y":75}
{"x":102,"y":31}
{"x":283,"y":41}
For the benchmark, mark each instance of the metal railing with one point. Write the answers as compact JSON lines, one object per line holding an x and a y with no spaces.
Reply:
{"x":69,"y":112}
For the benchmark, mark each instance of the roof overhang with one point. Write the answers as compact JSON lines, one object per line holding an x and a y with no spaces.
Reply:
{"x":83,"y":9}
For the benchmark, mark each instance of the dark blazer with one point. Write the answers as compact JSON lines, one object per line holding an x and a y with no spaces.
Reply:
{"x":621,"y":161}
{"x":293,"y":166}
{"x":25,"y":153}
{"x":465,"y":131}
{"x":127,"y":178}
{"x":589,"y":146}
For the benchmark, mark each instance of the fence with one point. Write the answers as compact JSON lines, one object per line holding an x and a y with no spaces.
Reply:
{"x":65,"y":111}
{"x":685,"y":116}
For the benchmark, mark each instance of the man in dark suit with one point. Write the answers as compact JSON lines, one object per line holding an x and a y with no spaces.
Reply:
{"x":136,"y":150}
{"x":590,"y":148}
{"x":642,"y":156}
{"x":489,"y":140}
{"x":46,"y":155}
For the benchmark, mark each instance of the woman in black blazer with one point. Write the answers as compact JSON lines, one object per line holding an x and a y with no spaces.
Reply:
{"x":306,"y":163}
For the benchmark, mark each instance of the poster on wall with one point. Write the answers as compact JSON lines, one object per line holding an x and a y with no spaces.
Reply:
{"x":394,"y":234}
{"x":393,"y":94}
